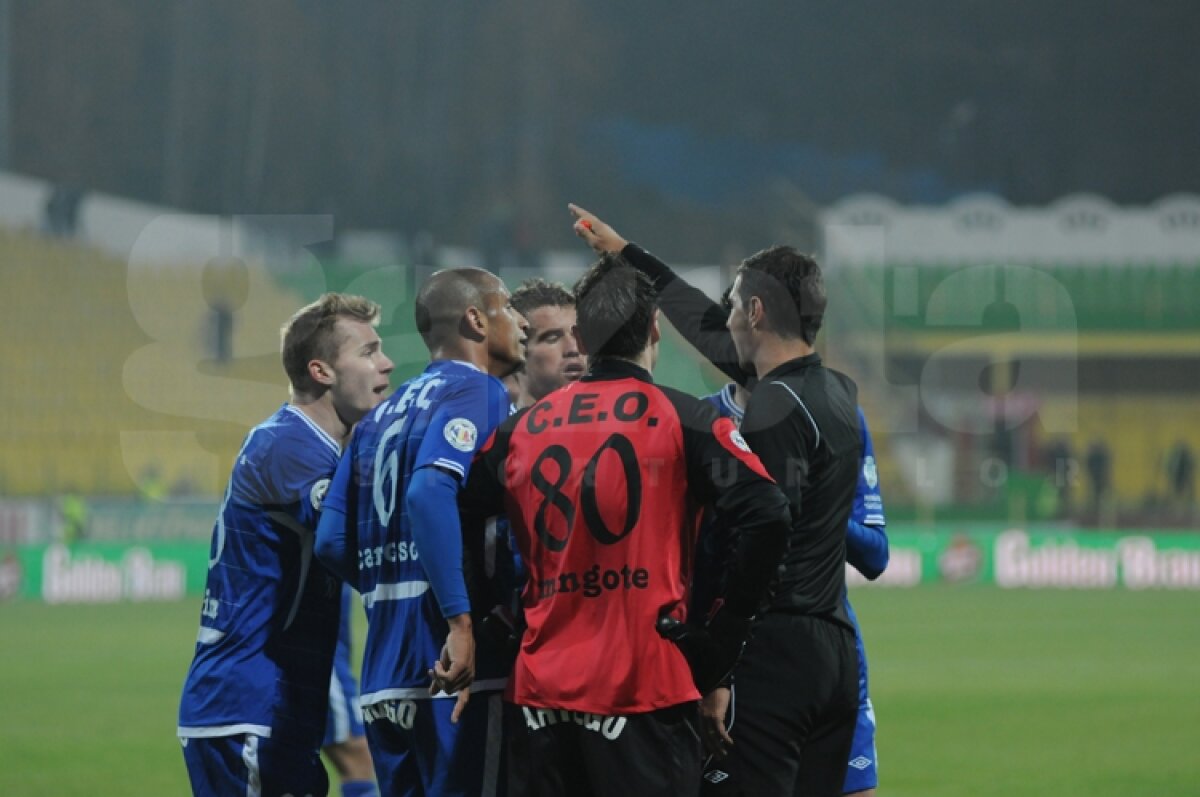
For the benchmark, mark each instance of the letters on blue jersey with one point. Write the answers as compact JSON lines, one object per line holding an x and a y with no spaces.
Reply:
{"x":438,"y":419}
{"x":266,"y":593}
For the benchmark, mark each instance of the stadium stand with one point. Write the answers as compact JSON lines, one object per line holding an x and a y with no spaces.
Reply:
{"x":84,"y":364}
{"x":1085,"y":311}
{"x":117,"y":385}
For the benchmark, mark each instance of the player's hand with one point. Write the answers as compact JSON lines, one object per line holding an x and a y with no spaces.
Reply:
{"x":455,"y":668}
{"x":713,"y":710}
{"x":711,"y":650}
{"x":595,"y":232}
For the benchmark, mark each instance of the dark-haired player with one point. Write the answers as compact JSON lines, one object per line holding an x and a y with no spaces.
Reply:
{"x":795,"y":691}
{"x":552,"y":357}
{"x":602,"y":483}
{"x":391,"y":529}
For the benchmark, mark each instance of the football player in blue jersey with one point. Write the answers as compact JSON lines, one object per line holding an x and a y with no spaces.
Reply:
{"x":252,"y":715}
{"x":390,"y":528}
{"x":345,"y":745}
{"x":866,"y":550}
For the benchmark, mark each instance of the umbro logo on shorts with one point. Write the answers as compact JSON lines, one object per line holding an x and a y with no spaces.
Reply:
{"x":716,"y":776}
{"x":862,"y":762}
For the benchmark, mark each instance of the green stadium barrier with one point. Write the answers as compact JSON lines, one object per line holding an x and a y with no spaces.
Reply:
{"x":104,"y":572}
{"x":1009,"y":558}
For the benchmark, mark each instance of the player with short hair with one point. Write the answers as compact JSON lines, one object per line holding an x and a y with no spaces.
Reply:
{"x":867,"y":551}
{"x":252,"y":714}
{"x":802,"y":421}
{"x":391,"y":529}
{"x":601,"y":482}
{"x":552,"y":357}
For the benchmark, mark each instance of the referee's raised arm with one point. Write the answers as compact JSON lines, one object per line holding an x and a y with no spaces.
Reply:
{"x":698,"y":318}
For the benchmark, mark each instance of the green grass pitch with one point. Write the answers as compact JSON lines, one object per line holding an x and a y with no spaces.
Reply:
{"x":978,"y":692}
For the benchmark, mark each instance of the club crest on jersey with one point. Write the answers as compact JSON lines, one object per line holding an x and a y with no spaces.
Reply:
{"x":736,"y":438}
{"x":317,"y":494}
{"x":461,"y":434}
{"x":870,"y":473}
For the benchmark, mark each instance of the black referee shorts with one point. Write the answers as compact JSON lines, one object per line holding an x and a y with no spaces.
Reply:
{"x":554,"y":753}
{"x":793,"y":712}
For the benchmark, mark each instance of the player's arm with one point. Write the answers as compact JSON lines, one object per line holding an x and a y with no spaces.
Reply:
{"x":336,"y":544}
{"x":722,"y":471}
{"x":431,"y":503}
{"x":698,"y":318}
{"x":866,"y":531}
{"x":462,"y":420}
{"x":749,"y":503}
{"x":480,"y":500}
{"x":442,"y":464}
{"x":866,"y":548}
{"x":490,"y":556}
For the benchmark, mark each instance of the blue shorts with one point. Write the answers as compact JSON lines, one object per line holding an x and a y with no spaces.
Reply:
{"x":418,"y":751}
{"x":861,"y":772}
{"x":220,"y":766}
{"x":345,"y":718}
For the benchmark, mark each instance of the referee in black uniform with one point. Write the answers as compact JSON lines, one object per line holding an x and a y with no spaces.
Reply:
{"x":793,"y":704}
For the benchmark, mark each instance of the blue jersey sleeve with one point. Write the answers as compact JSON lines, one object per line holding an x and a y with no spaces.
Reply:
{"x":461,"y":423}
{"x":335,"y":546}
{"x":432,"y":506}
{"x":866,"y":538}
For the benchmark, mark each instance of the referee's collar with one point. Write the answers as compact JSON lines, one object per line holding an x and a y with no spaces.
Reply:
{"x":791,"y":366}
{"x":609,"y":368}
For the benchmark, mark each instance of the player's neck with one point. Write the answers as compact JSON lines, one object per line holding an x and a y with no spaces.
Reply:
{"x":322,"y":412}
{"x":526,"y":399}
{"x":513,"y":384}
{"x":645,"y":360}
{"x":773,"y":351}
{"x":518,"y":390}
{"x":474,"y":355}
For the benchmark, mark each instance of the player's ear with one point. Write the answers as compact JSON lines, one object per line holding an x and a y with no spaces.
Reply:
{"x":474,"y":323}
{"x":755,"y":312}
{"x":320,"y":372}
{"x":579,"y":340}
